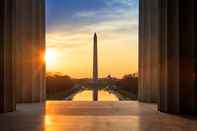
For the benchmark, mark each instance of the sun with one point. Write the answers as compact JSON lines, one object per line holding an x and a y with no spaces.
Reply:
{"x":50,"y":57}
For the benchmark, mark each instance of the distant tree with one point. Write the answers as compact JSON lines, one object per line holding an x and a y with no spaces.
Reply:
{"x":129,"y":83}
{"x":58,"y":83}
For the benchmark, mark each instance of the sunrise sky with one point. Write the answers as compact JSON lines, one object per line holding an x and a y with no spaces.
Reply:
{"x":70,"y":28}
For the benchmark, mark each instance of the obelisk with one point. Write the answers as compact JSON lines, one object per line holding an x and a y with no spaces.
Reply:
{"x":95,"y":69}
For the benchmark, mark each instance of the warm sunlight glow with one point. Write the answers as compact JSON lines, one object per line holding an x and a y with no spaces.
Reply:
{"x":50,"y":57}
{"x":87,"y":96}
{"x":70,"y":27}
{"x":48,"y":120}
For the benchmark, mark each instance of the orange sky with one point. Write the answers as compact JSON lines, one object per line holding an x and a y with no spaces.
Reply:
{"x":70,"y":46}
{"x":114,"y":58}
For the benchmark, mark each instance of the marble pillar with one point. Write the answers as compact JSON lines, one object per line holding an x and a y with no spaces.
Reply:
{"x":22,"y":67}
{"x":7,"y":91}
{"x":149,"y":50}
{"x":178,"y":40}
{"x":29,"y":50}
{"x":167,"y":55}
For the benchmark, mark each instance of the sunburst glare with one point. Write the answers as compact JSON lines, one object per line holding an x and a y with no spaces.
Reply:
{"x":51,"y":56}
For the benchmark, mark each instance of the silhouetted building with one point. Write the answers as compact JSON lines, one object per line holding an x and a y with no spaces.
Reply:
{"x":167,"y":54}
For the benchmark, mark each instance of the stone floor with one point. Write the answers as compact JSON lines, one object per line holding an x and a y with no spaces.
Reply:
{"x":93,"y":116}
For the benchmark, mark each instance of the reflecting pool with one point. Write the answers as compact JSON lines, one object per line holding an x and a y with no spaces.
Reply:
{"x":86,"y":95}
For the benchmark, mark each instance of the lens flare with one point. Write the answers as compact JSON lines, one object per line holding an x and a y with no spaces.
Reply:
{"x":50,"y":57}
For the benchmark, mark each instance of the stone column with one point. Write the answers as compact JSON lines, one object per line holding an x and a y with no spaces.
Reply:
{"x":149,"y":50}
{"x":167,"y":49}
{"x":30,"y":41}
{"x":155,"y":49}
{"x":38,"y":70}
{"x":178,"y":87}
{"x":22,"y":38}
{"x":195,"y":47}
{"x":7,"y":91}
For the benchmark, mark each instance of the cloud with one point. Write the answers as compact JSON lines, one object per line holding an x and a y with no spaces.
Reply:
{"x":80,"y":36}
{"x":85,"y":12}
{"x":61,"y":11}
{"x":70,"y":28}
{"x":123,"y":3}
{"x":108,"y":21}
{"x":63,"y":41}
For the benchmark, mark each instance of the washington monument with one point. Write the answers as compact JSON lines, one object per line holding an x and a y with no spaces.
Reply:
{"x":95,"y":69}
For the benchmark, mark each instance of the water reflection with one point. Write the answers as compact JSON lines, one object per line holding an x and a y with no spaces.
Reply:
{"x":102,"y":96}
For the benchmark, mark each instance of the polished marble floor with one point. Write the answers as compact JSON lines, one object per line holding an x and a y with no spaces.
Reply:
{"x":93,"y":116}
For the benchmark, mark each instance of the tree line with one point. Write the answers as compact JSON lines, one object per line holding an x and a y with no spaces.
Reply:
{"x":62,"y":84}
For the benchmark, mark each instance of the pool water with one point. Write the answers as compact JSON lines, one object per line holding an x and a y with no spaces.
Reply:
{"x":86,"y":95}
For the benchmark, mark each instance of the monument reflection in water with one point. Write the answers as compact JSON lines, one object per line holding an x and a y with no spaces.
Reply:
{"x":86,"y":95}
